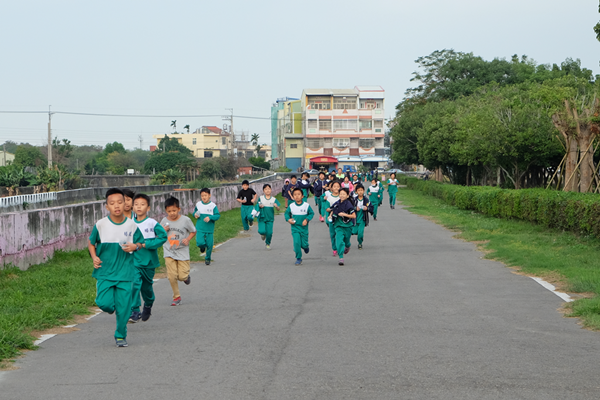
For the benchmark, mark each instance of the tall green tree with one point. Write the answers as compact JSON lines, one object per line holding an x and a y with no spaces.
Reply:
{"x":597,"y":27}
{"x":187,"y":128}
{"x":174,"y":125}
{"x":27,"y":155}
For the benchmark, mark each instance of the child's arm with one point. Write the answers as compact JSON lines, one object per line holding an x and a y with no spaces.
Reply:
{"x":186,"y":241}
{"x":97,"y":261}
{"x":159,"y":240}
{"x":216,"y":215}
{"x":277,"y":204}
{"x":254,"y":198}
{"x":310,"y":215}
{"x":288,"y":215}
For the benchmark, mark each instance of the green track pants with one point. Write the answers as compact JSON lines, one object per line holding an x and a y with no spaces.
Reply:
{"x":342,"y":239}
{"x":392,"y":198}
{"x":142,"y":285}
{"x":359,"y":231}
{"x":205,"y":239}
{"x":246,"y":216}
{"x":300,"y":241}
{"x":115,"y":296}
{"x":332,"y":236}
{"x":266,"y":228}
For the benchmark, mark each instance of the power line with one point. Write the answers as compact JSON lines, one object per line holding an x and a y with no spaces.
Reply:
{"x":131,"y":115}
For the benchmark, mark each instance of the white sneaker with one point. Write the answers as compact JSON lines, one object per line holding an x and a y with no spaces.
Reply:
{"x":268,"y":247}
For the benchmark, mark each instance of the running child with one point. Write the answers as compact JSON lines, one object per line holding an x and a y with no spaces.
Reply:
{"x":180,"y":230}
{"x":247,"y":197}
{"x":374,"y":193}
{"x":348,"y":185}
{"x":145,"y":259}
{"x":128,"y":210}
{"x":265,"y":208}
{"x":284,"y":191}
{"x":331,"y":199}
{"x":344,"y":216}
{"x":362,"y":214}
{"x":298,"y":214}
{"x":319,"y":189}
{"x":207,"y":214}
{"x":304,"y":185}
{"x":392,"y":189}
{"x":293,"y":185}
{"x":111,"y":246}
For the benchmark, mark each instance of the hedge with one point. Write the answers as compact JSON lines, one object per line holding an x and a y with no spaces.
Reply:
{"x":575,"y":212}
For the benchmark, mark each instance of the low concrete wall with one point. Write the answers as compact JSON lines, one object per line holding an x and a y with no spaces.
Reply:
{"x":116,"y":180}
{"x":31,"y":237}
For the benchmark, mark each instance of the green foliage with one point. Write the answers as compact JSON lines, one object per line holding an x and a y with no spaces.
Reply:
{"x":201,"y":183}
{"x":56,"y":178}
{"x":160,"y":162}
{"x":27,"y":155}
{"x":218,"y":168}
{"x":169,"y":145}
{"x":114,"y":147}
{"x":569,"y":211}
{"x":259,"y":162}
{"x":283,"y":169}
{"x":13,"y":176}
{"x":597,"y":27}
{"x":168,"y":177}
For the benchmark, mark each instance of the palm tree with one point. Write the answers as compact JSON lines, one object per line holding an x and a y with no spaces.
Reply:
{"x":174,"y":125}
{"x":254,"y":140}
{"x":187,"y":127}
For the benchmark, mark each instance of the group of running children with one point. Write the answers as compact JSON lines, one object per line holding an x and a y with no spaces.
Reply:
{"x":124,"y":245}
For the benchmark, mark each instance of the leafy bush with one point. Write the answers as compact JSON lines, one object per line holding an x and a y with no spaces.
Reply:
{"x":259,"y":162}
{"x":168,"y":177}
{"x":569,"y":211}
{"x":201,"y":183}
{"x":283,"y":169}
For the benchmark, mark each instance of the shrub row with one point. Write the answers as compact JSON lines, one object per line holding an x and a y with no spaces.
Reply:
{"x":575,"y":212}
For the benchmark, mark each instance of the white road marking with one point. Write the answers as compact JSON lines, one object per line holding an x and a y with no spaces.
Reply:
{"x":43,"y":339}
{"x":552,"y":288}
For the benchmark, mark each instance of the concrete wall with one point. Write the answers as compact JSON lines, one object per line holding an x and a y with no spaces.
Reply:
{"x":109,"y":181}
{"x":31,"y":237}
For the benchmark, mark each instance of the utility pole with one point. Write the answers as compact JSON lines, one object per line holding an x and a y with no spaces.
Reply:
{"x":141,"y":139}
{"x":4,"y":152}
{"x":49,"y":138}
{"x":230,"y":119}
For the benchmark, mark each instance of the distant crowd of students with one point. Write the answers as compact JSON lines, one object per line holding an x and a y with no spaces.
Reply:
{"x":124,"y":245}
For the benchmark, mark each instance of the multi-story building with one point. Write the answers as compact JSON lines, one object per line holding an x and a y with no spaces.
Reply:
{"x":290,"y":139}
{"x":343,"y":126}
{"x":205,"y":142}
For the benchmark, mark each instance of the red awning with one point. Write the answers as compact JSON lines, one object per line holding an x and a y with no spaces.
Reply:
{"x":323,"y":159}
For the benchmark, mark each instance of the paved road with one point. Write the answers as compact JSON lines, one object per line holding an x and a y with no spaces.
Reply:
{"x":404,"y":319}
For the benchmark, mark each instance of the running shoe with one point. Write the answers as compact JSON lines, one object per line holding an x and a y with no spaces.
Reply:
{"x":121,"y":342}
{"x":146,"y":313}
{"x":306,"y":250}
{"x":268,"y":247}
{"x":360,"y":246}
{"x":251,"y":222}
{"x":335,"y":253}
{"x":341,"y":262}
{"x":207,"y":262}
{"x":298,"y":261}
{"x":322,"y":219}
{"x":188,"y":280}
{"x":135,"y":317}
{"x":346,"y":250}
{"x":263,"y":237}
{"x":202,"y":249}
{"x":176,"y":302}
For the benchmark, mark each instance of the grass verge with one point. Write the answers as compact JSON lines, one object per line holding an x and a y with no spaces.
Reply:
{"x":52,"y":294}
{"x":570,"y":262}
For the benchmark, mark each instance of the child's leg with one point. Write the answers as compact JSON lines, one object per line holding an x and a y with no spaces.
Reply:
{"x":361,"y":233}
{"x":332,"y":236}
{"x":122,"y":293}
{"x":347,"y":236}
{"x":105,"y":296}
{"x":201,"y":240}
{"x":375,"y":207}
{"x":147,"y":289}
{"x":172,"y":274}
{"x":135,"y":291}
{"x":262,"y":228}
{"x":297,"y":244}
{"x":183,"y":268}
{"x":304,"y":237}
{"x":340,"y":246}
{"x":245,"y":216}
{"x":209,"y":249}
{"x":268,"y":232}
{"x":394,"y":199}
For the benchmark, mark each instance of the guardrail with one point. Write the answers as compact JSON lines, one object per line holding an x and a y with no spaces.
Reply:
{"x":27,"y":198}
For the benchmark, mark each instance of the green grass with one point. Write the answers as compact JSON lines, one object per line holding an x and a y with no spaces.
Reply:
{"x":51,"y":294}
{"x":568,"y":261}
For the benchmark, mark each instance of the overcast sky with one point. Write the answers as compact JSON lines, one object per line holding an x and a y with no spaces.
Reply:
{"x":178,"y":58}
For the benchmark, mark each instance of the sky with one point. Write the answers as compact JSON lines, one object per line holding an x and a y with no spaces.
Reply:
{"x":193,"y":58}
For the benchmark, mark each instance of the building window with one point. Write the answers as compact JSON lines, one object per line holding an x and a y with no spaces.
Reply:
{"x":194,"y":141}
{"x":327,"y":152}
{"x":366,"y":143}
{"x":378,"y":123}
{"x":344,"y":103}
{"x":207,"y":154}
{"x":223,"y":141}
{"x":314,"y":143}
{"x":354,"y":152}
{"x":312,"y":124}
{"x":294,"y":146}
{"x":319,"y":102}
{"x":325,"y":124}
{"x":380,"y":152}
{"x":366,"y":124}
{"x":349,"y":124}
{"x":341,"y":143}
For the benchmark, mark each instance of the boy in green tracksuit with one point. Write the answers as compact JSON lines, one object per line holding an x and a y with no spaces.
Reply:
{"x":247,"y":198}
{"x":362,"y":217}
{"x":112,"y":243}
{"x":392,"y":189}
{"x":374,"y":193}
{"x":207,"y":213}
{"x":343,"y":214}
{"x":298,"y":214}
{"x":331,"y":197}
{"x":265,"y":209}
{"x":145,"y":259}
